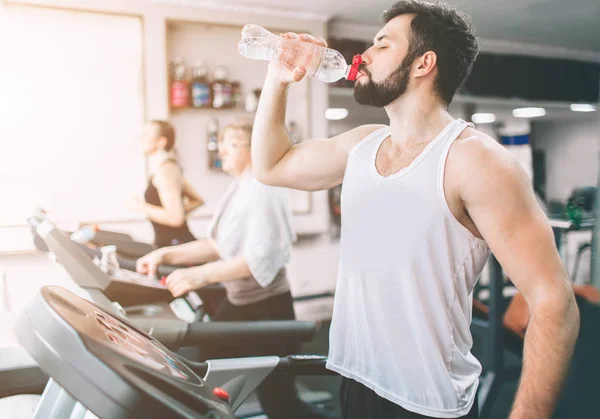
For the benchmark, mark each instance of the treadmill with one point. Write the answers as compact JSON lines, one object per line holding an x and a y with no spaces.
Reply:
{"x":103,"y":363}
{"x":146,"y":302}
{"x":148,"y":305}
{"x":128,"y":247}
{"x":210,"y":296}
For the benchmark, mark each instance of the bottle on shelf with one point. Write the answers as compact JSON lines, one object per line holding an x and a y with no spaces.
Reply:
{"x":212,"y":145}
{"x":222,"y":89}
{"x":251,"y":101}
{"x":201,"y":95}
{"x":323,"y":64}
{"x":180,"y":96}
{"x":236,"y":95}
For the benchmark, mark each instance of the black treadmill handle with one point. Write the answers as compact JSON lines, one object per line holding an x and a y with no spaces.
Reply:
{"x":295,"y":365}
{"x":303,"y":365}
{"x":255,"y":332}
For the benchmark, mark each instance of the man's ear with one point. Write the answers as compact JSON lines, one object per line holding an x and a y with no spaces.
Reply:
{"x":425,"y":64}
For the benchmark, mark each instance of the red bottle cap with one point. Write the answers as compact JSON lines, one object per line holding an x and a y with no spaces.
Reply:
{"x":356,"y":62}
{"x":163,"y":280}
{"x":221,"y":394}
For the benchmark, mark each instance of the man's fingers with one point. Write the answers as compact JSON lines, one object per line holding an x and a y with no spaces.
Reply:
{"x":307,"y":37}
{"x":320,"y":41}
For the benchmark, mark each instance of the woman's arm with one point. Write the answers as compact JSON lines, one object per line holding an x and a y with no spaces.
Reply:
{"x":188,"y":254}
{"x":183,"y":281}
{"x":193,"y":200}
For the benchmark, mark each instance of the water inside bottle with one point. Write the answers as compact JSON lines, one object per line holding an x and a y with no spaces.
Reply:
{"x":322,"y":63}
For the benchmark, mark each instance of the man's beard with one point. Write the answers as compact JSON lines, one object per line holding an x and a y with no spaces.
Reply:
{"x":383,"y":93}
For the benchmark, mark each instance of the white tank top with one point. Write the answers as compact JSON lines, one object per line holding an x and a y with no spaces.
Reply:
{"x":407,"y":269}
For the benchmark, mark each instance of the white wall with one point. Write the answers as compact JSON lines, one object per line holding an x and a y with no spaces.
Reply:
{"x":314,"y":265}
{"x":572,"y":152}
{"x":155,"y":17}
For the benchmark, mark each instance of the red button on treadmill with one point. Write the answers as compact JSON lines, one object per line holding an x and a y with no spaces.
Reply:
{"x":221,"y":394}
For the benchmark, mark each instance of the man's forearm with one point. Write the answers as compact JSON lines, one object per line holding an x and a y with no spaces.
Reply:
{"x":190,"y":254}
{"x":549,"y":344}
{"x":270,"y":140}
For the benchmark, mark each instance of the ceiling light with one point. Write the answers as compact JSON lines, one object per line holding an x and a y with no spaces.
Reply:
{"x":483,"y":118}
{"x":528,"y":112}
{"x":583,"y":107}
{"x":335,"y":114}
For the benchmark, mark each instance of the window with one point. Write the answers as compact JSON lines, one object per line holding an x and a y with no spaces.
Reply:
{"x":71,"y":110}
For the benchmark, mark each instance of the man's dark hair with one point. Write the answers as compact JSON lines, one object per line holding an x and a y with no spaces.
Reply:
{"x":165,"y":129}
{"x":440,"y":28}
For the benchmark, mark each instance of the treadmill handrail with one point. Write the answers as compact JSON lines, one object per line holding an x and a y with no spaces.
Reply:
{"x":252,"y":332}
{"x":304,"y":364}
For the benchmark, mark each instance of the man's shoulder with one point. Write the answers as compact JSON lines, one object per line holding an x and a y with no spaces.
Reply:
{"x":473,"y":149}
{"x":475,"y":158}
{"x":472,"y":140}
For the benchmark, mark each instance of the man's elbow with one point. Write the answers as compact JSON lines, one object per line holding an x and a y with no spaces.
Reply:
{"x":562,"y":302}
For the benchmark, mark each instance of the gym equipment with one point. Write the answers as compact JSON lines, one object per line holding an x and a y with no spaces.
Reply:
{"x":595,"y":245}
{"x":126,"y":245}
{"x":126,"y":258}
{"x":212,"y":296}
{"x":145,"y":301}
{"x":503,"y":331}
{"x":582,"y":213}
{"x":492,"y":330}
{"x":153,"y":314}
{"x":19,"y":374}
{"x":205,"y":301}
{"x":101,"y":362}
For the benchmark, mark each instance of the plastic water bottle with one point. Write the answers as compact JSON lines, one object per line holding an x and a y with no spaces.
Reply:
{"x":324,"y":64}
{"x":85,"y":234}
{"x":109,"y":263}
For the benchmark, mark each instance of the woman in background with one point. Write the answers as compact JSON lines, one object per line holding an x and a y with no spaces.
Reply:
{"x":169,"y":197}
{"x":248,"y":245}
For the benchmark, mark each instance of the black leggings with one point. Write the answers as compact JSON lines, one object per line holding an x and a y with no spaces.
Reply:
{"x":277,"y":394}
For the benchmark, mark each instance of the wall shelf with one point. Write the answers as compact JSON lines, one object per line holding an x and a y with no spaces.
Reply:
{"x":216,"y":46}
